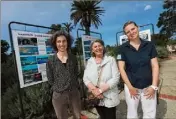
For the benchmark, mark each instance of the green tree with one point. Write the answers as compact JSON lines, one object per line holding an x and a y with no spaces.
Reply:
{"x":167,"y":19}
{"x":111,"y":50}
{"x":4,"y":48}
{"x":86,"y":12}
{"x":68,"y":27}
{"x":159,"y":39}
{"x":55,"y":27}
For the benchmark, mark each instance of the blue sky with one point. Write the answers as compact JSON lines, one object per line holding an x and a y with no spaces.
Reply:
{"x":46,"y":13}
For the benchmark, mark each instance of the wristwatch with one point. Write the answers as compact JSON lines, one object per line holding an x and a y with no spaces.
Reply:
{"x":154,"y":87}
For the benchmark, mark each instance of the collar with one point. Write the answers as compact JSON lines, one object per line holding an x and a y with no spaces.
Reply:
{"x":105,"y":60}
{"x":143,"y":43}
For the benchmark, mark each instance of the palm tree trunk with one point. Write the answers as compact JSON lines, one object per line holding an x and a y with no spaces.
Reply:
{"x":87,"y":24}
{"x":87,"y":30}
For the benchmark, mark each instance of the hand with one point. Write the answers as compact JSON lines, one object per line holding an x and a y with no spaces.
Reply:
{"x":100,"y":96}
{"x":149,"y":93}
{"x":133,"y":92}
{"x":96,"y":92}
{"x":104,"y":87}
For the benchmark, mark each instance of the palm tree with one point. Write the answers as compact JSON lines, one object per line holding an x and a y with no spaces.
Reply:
{"x":68,"y":26}
{"x":86,"y":12}
{"x":55,"y":27}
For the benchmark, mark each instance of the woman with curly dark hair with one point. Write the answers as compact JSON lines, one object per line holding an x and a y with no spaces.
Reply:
{"x":62,"y":76}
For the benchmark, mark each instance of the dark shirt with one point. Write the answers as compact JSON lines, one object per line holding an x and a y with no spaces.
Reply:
{"x":64,"y":64}
{"x":138,"y":62}
{"x":60,"y":77}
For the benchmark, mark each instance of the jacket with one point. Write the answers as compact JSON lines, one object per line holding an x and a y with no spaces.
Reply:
{"x":109,"y":75}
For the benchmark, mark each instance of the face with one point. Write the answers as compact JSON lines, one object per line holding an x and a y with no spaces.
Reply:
{"x":61,"y":43}
{"x":132,"y":32}
{"x":97,"y":48}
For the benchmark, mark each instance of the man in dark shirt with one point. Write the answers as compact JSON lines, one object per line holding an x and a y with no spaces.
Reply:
{"x":138,"y":65}
{"x":62,"y":74}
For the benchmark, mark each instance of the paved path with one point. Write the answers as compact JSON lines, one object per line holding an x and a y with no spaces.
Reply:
{"x":168,"y":77}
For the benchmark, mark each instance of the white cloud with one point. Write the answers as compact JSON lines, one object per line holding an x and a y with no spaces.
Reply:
{"x":147,"y":7}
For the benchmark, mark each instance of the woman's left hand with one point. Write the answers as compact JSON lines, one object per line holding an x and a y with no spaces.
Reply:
{"x":149,"y":93}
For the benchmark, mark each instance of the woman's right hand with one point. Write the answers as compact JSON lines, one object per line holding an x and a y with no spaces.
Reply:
{"x":133,"y":92}
{"x":100,"y":96}
{"x":96,"y":92}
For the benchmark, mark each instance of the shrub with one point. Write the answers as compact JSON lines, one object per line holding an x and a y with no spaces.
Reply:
{"x":162,"y":52}
{"x":10,"y":103}
{"x":36,"y":101}
{"x":171,"y":42}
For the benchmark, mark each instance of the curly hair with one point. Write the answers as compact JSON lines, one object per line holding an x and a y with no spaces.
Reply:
{"x":97,"y":41}
{"x":68,"y":37}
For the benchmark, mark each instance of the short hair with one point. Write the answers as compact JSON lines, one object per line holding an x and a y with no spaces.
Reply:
{"x":127,"y":23}
{"x":68,"y":37}
{"x":99,"y":41}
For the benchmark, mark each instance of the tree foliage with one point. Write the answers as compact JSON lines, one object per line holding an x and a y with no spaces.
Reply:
{"x":159,"y":39}
{"x":86,"y":12}
{"x":10,"y":104}
{"x":36,"y":102}
{"x":162,"y":52}
{"x":36,"y":99}
{"x":68,"y":27}
{"x":171,"y":42}
{"x":55,"y":27}
{"x":8,"y":74}
{"x":4,"y":48}
{"x":112,"y":50}
{"x":167,"y":19}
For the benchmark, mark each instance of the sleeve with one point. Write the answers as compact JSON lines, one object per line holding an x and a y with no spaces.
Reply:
{"x":86,"y":73}
{"x":49,"y":72}
{"x":115,"y":75}
{"x":153,"y":52}
{"x":120,"y":55}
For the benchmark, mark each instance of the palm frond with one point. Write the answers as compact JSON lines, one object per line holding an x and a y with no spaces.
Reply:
{"x":86,"y":12}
